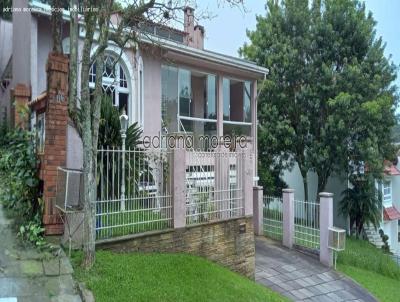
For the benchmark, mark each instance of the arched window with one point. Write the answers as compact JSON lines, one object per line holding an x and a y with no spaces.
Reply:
{"x":114,"y":82}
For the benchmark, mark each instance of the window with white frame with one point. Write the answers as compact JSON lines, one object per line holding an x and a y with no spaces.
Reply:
{"x":387,"y":192}
{"x":114,"y":82}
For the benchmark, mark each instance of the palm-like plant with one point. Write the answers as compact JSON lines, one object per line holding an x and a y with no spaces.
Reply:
{"x":362,"y":203}
{"x":110,"y":138}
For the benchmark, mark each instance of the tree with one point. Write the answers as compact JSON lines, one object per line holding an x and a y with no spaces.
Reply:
{"x":5,"y":9}
{"x":328,"y":99}
{"x":84,"y":109}
{"x":362,"y":203}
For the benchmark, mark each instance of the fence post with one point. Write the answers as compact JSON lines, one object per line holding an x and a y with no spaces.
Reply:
{"x":258,"y":207}
{"x":288,"y":217}
{"x":222,"y":181}
{"x":248,"y":181}
{"x":325,"y":222}
{"x":178,"y":171}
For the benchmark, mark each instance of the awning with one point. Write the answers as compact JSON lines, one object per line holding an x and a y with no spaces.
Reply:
{"x":391,"y":213}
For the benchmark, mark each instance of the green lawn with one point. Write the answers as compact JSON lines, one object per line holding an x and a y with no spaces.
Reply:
{"x":367,"y":265}
{"x":384,"y":288}
{"x":166,"y":277}
{"x":112,"y":222}
{"x":362,"y":254}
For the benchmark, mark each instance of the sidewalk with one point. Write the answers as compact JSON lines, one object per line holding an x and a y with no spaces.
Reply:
{"x":27,"y":275}
{"x":303,"y":278}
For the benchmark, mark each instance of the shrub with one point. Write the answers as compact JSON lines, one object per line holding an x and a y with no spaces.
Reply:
{"x":19,"y":184}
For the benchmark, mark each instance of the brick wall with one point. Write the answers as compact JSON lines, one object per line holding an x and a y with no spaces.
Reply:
{"x":229,"y":243}
{"x":56,"y":120}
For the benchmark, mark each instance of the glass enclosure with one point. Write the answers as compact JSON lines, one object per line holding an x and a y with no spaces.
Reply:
{"x":189,"y":104}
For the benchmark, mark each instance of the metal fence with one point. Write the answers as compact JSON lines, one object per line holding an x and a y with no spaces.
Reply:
{"x":133,"y":192}
{"x":214,"y":186}
{"x":306,"y":224}
{"x":273,"y":217}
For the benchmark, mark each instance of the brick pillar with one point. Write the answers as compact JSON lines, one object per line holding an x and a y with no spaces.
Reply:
{"x":325,"y":222}
{"x":288,"y":217}
{"x":55,"y":137}
{"x":19,"y":109}
{"x":177,"y":174}
{"x":258,"y":207}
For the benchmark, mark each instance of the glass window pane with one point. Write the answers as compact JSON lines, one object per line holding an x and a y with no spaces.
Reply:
{"x":185,"y":92}
{"x":123,"y":102}
{"x":247,"y":102}
{"x":237,"y":130}
{"x":203,"y":133}
{"x":211,"y":112}
{"x":236,"y":101}
{"x":169,"y":97}
{"x":227,"y":98}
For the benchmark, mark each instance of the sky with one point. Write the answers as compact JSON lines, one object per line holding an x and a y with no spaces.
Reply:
{"x":226,"y":32}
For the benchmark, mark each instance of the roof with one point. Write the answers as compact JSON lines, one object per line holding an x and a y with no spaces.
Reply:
{"x":391,"y":213}
{"x":39,"y":98}
{"x":390,"y":169}
{"x":207,"y":55}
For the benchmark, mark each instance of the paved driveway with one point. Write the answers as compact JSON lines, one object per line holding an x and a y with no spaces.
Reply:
{"x":27,"y":275}
{"x":301,"y":277}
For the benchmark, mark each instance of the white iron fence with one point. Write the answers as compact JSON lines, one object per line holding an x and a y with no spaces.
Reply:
{"x":306,"y":224}
{"x":133,"y":192}
{"x":273,"y":217}
{"x":214,"y":186}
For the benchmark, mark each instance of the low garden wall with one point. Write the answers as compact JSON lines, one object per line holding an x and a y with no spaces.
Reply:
{"x":228,"y":242}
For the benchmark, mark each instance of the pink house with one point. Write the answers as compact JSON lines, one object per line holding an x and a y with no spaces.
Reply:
{"x":168,"y":83}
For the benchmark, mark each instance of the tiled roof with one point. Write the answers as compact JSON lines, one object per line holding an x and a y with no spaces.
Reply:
{"x":39,"y":98}
{"x":391,"y":213}
{"x":391,"y":169}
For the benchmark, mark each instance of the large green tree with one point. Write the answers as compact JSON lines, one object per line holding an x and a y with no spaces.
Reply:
{"x":329,"y":99}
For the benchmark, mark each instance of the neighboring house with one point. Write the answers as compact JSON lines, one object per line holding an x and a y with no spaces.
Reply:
{"x":390,"y":188}
{"x":173,"y":85}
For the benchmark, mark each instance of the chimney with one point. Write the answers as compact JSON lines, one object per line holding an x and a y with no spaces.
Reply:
{"x":194,"y":34}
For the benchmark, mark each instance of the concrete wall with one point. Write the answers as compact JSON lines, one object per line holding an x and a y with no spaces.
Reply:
{"x":74,"y":149}
{"x":6,"y":43}
{"x":23,"y":38}
{"x":44,"y":46}
{"x":390,"y":228}
{"x":152,"y":93}
{"x":336,"y":185}
{"x":222,"y":242}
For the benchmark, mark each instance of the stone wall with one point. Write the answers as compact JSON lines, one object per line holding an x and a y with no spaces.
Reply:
{"x":228,"y":242}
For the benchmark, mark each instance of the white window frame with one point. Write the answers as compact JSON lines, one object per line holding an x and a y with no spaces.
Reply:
{"x":123,"y":61}
{"x":387,"y":197}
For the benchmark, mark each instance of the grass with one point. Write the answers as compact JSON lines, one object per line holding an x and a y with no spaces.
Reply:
{"x":112,"y":222}
{"x":166,"y":277}
{"x":370,"y":267}
{"x":384,"y":288}
{"x":362,"y":254}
